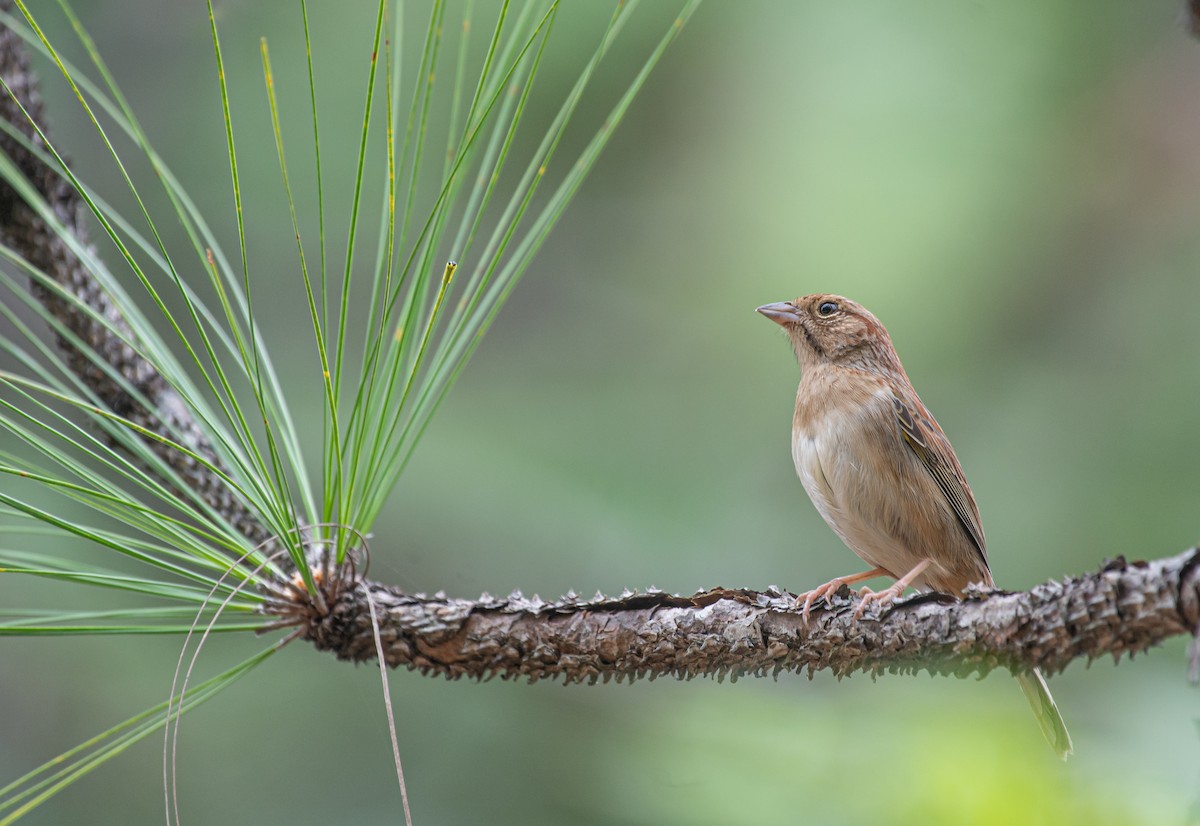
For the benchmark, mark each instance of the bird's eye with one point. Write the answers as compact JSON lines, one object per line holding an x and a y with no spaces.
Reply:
{"x":827,"y":308}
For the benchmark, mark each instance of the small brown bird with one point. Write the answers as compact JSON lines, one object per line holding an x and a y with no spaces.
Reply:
{"x":880,"y":470}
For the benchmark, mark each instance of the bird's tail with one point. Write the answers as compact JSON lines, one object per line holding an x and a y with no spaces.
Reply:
{"x":1044,"y":708}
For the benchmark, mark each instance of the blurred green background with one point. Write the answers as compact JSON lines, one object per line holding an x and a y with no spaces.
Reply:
{"x":1012,"y":187}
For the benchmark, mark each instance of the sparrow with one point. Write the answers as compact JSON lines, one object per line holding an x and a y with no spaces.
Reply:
{"x":881,"y":472}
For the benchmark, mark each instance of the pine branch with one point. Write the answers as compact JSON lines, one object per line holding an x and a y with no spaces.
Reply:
{"x":1121,"y":609}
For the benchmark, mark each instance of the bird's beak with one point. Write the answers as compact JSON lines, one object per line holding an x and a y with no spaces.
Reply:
{"x":782,"y":313}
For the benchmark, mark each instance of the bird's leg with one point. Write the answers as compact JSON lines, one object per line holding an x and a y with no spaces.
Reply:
{"x":888,"y":595}
{"x":831,"y":587}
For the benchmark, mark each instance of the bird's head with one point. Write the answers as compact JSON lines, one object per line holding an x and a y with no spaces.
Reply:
{"x":831,"y":329}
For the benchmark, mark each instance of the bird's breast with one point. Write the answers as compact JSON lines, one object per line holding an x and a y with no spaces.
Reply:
{"x":837,"y":432}
{"x":835,"y":448}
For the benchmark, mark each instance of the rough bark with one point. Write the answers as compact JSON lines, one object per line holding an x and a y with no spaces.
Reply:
{"x":1121,"y":609}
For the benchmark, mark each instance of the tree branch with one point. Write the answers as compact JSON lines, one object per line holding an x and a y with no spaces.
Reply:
{"x":1121,"y":609}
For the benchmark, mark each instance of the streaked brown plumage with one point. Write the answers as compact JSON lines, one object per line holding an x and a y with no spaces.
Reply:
{"x":881,"y":471}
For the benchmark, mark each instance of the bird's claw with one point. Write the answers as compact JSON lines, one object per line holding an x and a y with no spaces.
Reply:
{"x":820,"y":592}
{"x":882,"y":599}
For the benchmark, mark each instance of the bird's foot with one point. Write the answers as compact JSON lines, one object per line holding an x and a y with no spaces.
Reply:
{"x":887,"y":596}
{"x":820,"y":592}
{"x":832,"y":587}
{"x":882,"y":599}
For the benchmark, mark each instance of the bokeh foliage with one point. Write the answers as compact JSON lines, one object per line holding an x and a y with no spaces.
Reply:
{"x":1011,"y":187}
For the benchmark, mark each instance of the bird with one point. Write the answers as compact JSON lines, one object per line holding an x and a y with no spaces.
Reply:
{"x":881,"y":472}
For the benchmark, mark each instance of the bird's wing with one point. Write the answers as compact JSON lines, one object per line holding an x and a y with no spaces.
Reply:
{"x":932,"y":447}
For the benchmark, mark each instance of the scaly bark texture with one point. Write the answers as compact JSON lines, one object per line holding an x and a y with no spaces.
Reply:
{"x":1121,"y":609}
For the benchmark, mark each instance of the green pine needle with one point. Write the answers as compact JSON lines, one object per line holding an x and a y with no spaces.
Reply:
{"x":465,"y":173}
